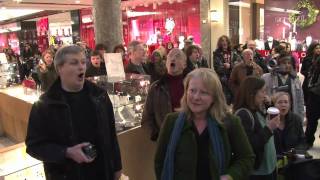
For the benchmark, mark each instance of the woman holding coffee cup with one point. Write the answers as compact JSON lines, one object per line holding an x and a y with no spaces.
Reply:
{"x":249,"y":105}
{"x":290,"y":133}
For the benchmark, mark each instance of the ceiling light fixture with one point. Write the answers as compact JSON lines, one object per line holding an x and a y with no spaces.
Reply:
{"x":77,"y":2}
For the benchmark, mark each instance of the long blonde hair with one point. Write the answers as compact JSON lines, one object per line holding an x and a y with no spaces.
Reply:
{"x":219,"y":107}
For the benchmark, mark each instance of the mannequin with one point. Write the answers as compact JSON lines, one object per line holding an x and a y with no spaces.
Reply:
{"x":181,"y":42}
{"x":270,"y":43}
{"x":307,"y":43}
{"x":293,"y":43}
{"x":308,"y":40}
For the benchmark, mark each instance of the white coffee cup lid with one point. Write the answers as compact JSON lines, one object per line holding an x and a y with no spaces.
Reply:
{"x":273,"y":110}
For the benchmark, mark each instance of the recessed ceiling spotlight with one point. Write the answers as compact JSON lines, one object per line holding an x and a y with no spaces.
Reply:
{"x":77,"y":2}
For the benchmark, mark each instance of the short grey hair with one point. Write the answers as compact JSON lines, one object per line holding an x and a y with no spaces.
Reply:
{"x":60,"y":56}
{"x":132,"y":46}
{"x":176,"y":53}
{"x":247,"y":50}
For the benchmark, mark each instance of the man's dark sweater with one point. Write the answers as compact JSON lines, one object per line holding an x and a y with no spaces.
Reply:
{"x":175,"y":90}
{"x":84,"y":129}
{"x":94,"y":71}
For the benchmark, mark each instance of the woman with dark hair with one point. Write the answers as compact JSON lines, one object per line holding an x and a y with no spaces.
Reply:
{"x":248,"y":106}
{"x":313,"y":101}
{"x":120,"y":49}
{"x":312,"y":53}
{"x":290,"y":133}
{"x":224,"y":60}
{"x":194,"y":59}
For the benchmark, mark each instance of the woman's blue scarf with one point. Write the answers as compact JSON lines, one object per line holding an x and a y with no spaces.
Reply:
{"x":216,"y":142}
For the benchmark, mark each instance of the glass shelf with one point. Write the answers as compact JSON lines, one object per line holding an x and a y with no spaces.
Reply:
{"x":128,"y":97}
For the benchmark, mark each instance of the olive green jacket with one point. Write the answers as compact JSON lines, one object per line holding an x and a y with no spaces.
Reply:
{"x":239,"y":156}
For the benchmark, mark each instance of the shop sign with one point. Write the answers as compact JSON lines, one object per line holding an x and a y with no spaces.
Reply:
{"x":114,"y":66}
{"x":86,"y":19}
{"x":10,"y":27}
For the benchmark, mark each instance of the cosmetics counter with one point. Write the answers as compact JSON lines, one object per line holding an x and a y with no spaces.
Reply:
{"x":128,"y":97}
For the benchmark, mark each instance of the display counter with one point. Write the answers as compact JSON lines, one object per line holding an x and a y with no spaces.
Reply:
{"x":137,"y":151}
{"x":15,"y":107}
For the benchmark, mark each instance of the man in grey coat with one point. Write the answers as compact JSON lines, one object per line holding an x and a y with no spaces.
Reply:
{"x":284,"y":78}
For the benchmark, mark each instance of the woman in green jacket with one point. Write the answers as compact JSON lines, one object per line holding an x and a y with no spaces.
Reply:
{"x":203,"y":141}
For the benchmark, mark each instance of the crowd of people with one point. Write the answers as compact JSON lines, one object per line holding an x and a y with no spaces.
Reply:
{"x":209,"y":123}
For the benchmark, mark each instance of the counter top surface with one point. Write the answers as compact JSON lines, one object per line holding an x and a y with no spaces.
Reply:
{"x":19,"y":92}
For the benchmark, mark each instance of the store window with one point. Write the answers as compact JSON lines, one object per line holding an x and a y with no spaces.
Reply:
{"x":163,"y":22}
{"x":294,"y":21}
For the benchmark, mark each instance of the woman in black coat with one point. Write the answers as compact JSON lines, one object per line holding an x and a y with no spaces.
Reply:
{"x":224,"y":59}
{"x":290,"y":133}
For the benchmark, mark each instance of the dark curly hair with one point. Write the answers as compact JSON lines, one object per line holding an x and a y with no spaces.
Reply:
{"x":311,"y":48}
{"x":120,"y":46}
{"x":219,"y":45}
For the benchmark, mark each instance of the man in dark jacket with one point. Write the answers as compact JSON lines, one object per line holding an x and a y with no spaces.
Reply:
{"x":74,"y":115}
{"x":96,"y":67}
{"x":137,"y":56}
{"x":256,"y":56}
{"x":165,"y":94}
{"x":194,"y":59}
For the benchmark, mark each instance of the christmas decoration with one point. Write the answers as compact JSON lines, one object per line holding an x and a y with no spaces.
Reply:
{"x":311,"y":17}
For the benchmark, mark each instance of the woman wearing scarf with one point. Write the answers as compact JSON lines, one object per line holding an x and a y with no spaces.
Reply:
{"x":203,"y":141}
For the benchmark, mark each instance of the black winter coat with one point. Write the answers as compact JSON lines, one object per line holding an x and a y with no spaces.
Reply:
{"x":292,"y":135}
{"x":258,"y":136}
{"x":50,"y":132}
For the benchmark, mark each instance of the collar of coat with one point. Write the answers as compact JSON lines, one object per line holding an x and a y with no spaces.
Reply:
{"x":164,"y":78}
{"x":55,"y":95}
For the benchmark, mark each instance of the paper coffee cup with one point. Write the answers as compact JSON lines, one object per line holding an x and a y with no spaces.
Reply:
{"x":273,"y":112}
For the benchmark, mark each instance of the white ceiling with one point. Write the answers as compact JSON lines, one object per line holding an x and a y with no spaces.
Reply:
{"x":45,"y":4}
{"x":10,"y":9}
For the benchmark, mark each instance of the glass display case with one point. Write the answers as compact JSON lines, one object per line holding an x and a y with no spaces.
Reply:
{"x":9,"y":74}
{"x":127,"y":97}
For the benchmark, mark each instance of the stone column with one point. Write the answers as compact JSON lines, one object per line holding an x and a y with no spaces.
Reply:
{"x":205,"y":30}
{"x":107,"y":23}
